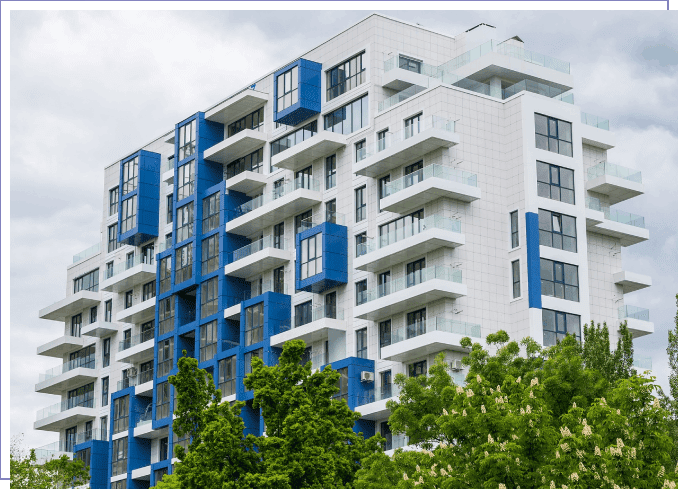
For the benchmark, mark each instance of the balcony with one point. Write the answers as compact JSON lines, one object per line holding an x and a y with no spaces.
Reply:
{"x":240,"y":144}
{"x":405,"y":146}
{"x":402,"y":95}
{"x":246,"y":181}
{"x":372,"y":405}
{"x":257,"y":257}
{"x":89,"y":252}
{"x":73,"y":304}
{"x":399,"y":75}
{"x":53,"y":451}
{"x":617,"y":182}
{"x":142,"y":473}
{"x":136,"y":349}
{"x":167,"y":171}
{"x":233,"y":312}
{"x":595,"y":131}
{"x":642,"y":363}
{"x":286,"y":201}
{"x":144,"y":427}
{"x":68,"y":376}
{"x":139,"y":313}
{"x":125,"y":275}
{"x":632,"y":281}
{"x":629,"y":228}
{"x":65,"y":414}
{"x":411,"y":291}
{"x":432,"y":182}
{"x":314,"y":327}
{"x":242,"y":103}
{"x":428,"y":337}
{"x":62,"y":346}
{"x":101,"y":329}
{"x":431,"y":233}
{"x":637,"y":319}
{"x":303,"y":154}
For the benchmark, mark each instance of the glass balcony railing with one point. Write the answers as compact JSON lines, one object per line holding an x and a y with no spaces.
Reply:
{"x":228,"y":344}
{"x":136,"y":340}
{"x":91,"y":251}
{"x":54,"y":450}
{"x":606,"y":168}
{"x":84,"y":362}
{"x":165,"y":245}
{"x":421,"y":68}
{"x":303,"y":182}
{"x":430,"y":171}
{"x":386,"y":391}
{"x":540,"y":89}
{"x":311,"y":222}
{"x":595,"y":121}
{"x":644,"y":363}
{"x":258,"y":245}
{"x":435,"y":324}
{"x":85,"y":400}
{"x":144,"y":418}
{"x":139,"y":379}
{"x":431,"y":222}
{"x":614,"y":214}
{"x":316,"y":313}
{"x":633,"y":312}
{"x":595,"y":204}
{"x":400,"y":96}
{"x":168,"y":165}
{"x":266,"y":286}
{"x":85,"y":436}
{"x":127,"y":264}
{"x":441,"y":272}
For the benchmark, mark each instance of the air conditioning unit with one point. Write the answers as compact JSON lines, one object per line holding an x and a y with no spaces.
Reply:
{"x":456,"y":365}
{"x":132,"y":372}
{"x":366,"y":376}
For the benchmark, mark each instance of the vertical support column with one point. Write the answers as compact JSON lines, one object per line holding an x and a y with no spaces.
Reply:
{"x":495,"y":87}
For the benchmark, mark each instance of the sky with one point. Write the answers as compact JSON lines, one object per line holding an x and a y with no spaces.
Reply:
{"x":90,"y":87}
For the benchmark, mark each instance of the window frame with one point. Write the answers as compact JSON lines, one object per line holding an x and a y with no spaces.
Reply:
{"x":563,"y":238}
{"x":88,"y":281}
{"x":119,"y":456}
{"x":227,"y":385}
{"x":559,"y":333}
{"x":293,"y":138}
{"x":148,"y":291}
{"x":552,"y":267}
{"x":112,"y":242}
{"x":210,"y":212}
{"x":165,"y":315}
{"x":209,"y":297}
{"x":185,"y":184}
{"x":337,"y":81}
{"x":187,"y":145}
{"x":361,"y":343}
{"x":130,"y":176}
{"x":346,"y":119}
{"x":515,"y":279}
{"x":246,"y":163}
{"x":184,"y":263}
{"x":120,"y":414}
{"x":113,"y":200}
{"x":290,"y":87}
{"x":210,"y":254}
{"x":360,"y":203}
{"x":541,"y":184}
{"x":165,"y":357}
{"x":128,"y":214}
{"x":254,"y":333}
{"x":311,"y":256}
{"x":208,"y":341}
{"x":514,"y":229}
{"x":330,"y":172}
{"x":563,"y":146}
{"x":360,"y":292}
{"x":162,"y":400}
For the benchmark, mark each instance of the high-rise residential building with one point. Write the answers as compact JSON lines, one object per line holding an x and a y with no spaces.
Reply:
{"x":381,"y":196}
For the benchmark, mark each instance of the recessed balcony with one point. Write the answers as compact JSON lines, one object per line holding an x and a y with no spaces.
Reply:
{"x":412,"y":291}
{"x":311,"y":327}
{"x":595,"y":131}
{"x":629,"y":228}
{"x":257,"y":257}
{"x":306,"y":152}
{"x":68,"y":375}
{"x":266,"y":210}
{"x":233,"y":312}
{"x":428,"y":234}
{"x":236,"y":106}
{"x":617,"y":182}
{"x":136,"y":349}
{"x":168,"y":171}
{"x":632,"y":281}
{"x":138,"y":313}
{"x":637,"y":320}
{"x":66,"y":414}
{"x":71,"y":305}
{"x":144,"y":427}
{"x":240,"y":144}
{"x":246,"y":181}
{"x":128,"y":274}
{"x":142,"y":473}
{"x":101,"y":329}
{"x":405,"y":146}
{"x":372,"y":404}
{"x":62,"y":346}
{"x":428,"y":337}
{"x":432,"y":182}
{"x":401,"y":73}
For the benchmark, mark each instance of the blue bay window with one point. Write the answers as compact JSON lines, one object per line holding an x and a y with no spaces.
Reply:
{"x":139,"y":201}
{"x":322,"y":257}
{"x":297,"y":92}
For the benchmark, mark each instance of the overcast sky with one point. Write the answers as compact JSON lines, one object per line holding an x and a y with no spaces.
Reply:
{"x":87,"y":88}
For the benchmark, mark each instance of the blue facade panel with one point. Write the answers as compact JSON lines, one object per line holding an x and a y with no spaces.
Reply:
{"x":309,"y":97}
{"x":334,"y":261}
{"x":98,"y":469}
{"x":533,"y":267}
{"x":148,"y":199}
{"x":357,"y":390}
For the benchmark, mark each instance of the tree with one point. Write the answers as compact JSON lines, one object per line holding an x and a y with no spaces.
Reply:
{"x":614,"y":366}
{"x":671,"y":403}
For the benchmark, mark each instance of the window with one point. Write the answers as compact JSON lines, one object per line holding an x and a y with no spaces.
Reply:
{"x":412,"y":126}
{"x":165,"y":356}
{"x":361,"y":343}
{"x":210,"y":213}
{"x":112,"y":237}
{"x":416,"y":323}
{"x":386,"y":433}
{"x":109,"y":269}
{"x":330,"y":172}
{"x":386,"y":384}
{"x":360,"y":150}
{"x":209,"y":297}
{"x":93,"y":312}
{"x":248,"y":359}
{"x":303,"y":177}
{"x":342,"y":384}
{"x":106,"y":353}
{"x":187,"y":140}
{"x":381,"y":139}
{"x":129,"y":260}
{"x":252,"y":162}
{"x":331,"y":305}
{"x":210,"y":254}
{"x":361,"y":292}
{"x":166,"y":315}
{"x":555,"y":182}
{"x":384,"y":333}
{"x":108,"y":311}
{"x":128,"y":219}
{"x":185,"y":180}
{"x":82,"y":396}
{"x":416,"y":369}
{"x":113,"y":201}
{"x":147,"y":331}
{"x":84,"y":456}
{"x":559,"y":280}
{"x":383,"y":181}
{"x":360,"y":204}
{"x":84,"y":357}
{"x":288,"y":93}
{"x":557,"y":230}
{"x":122,"y":484}
{"x":413,"y":174}
{"x":360,"y":244}
{"x":104,"y":391}
{"x":515,"y":241}
{"x":159,"y":473}
{"x":349,"y":118}
{"x":553,"y":135}
{"x":128,"y":299}
{"x":148,"y":254}
{"x":119,"y":463}
{"x":279,"y":236}
{"x":557,"y":324}
{"x":415,"y":272}
{"x":384,"y":284}
{"x":162,"y":400}
{"x":294,"y":138}
{"x":184,"y":222}
{"x":300,"y":221}
{"x":278,"y":188}
{"x":76,"y":325}
{"x":103,"y":425}
{"x":146,"y":368}
{"x":227,"y":376}
{"x":89,"y":281}
{"x":208,"y":341}
{"x":165,"y":274}
{"x":254,"y":121}
{"x":331,"y":211}
{"x":170,"y":208}
{"x":303,"y":313}
{"x":120,"y":414}
{"x":311,"y":256}
{"x":409,"y":64}
{"x":184,"y":260}
{"x":345,"y":76}
{"x":254,"y":324}
{"x":130,"y":175}
{"x":164,"y":449}
{"x":515,"y":274}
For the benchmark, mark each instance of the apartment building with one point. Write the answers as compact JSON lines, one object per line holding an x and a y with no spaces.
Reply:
{"x":381,"y":196}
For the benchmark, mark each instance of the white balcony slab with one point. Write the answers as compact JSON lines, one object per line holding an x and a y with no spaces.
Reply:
{"x":593,"y":218}
{"x":101,"y":329}
{"x":375,"y":410}
{"x":597,"y":137}
{"x":237,"y":106}
{"x":233,"y":312}
{"x":405,"y":151}
{"x":142,"y":473}
{"x":422,"y":345}
{"x":409,"y":298}
{"x":146,"y":431}
{"x":246,"y":182}
{"x":68,"y":380}
{"x":638,"y":327}
{"x":73,"y":304}
{"x":274,"y":211}
{"x":243,"y":143}
{"x":303,"y":154}
{"x":616,"y":188}
{"x":258,"y":262}
{"x":400,"y":251}
{"x":399,"y":79}
{"x":230,"y":398}
{"x":138,"y":313}
{"x":145,"y":389}
{"x":63,"y":346}
{"x":137,"y":353}
{"x":628,"y":235}
{"x":313,"y":331}
{"x":168,"y":176}
{"x":631,"y":281}
{"x":125,"y":280}
{"x":428,"y":190}
{"x":66,"y":419}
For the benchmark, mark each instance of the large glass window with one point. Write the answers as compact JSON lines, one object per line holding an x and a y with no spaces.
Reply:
{"x":185,"y":180}
{"x":288,"y":89}
{"x":409,"y":64}
{"x":303,"y":313}
{"x":84,"y":456}
{"x":128,"y":219}
{"x":412,"y":126}
{"x":208,"y":341}
{"x":166,"y":315}
{"x":301,"y":220}
{"x":553,"y":134}
{"x":360,"y":244}
{"x":187,"y":140}
{"x":254,"y":121}
{"x":349,"y":118}
{"x":227,"y":376}
{"x":515,"y":274}
{"x":557,"y":324}
{"x":184,"y":262}
{"x":89,"y":281}
{"x":82,"y":396}
{"x":361,"y":292}
{"x":130,"y":175}
{"x":162,"y":400}
{"x":210,"y":254}
{"x":184,"y":222}
{"x":165,"y":356}
{"x":331,"y":305}
{"x":345,"y":76}
{"x":112,"y":237}
{"x":254,"y":324}
{"x":311,"y":256}
{"x":342,"y":384}
{"x":148,"y":254}
{"x":330,"y":172}
{"x":294,"y":138}
{"x":165,"y":274}
{"x":331,"y":211}
{"x":415,"y":272}
{"x":559,"y":280}
{"x":383,"y":181}
{"x":148,"y":291}
{"x":121,"y":414}
{"x":416,"y":323}
{"x":555,"y":182}
{"x":119,"y":463}
{"x":360,"y":204}
{"x":515,"y":239}
{"x":106,"y":353}
{"x":104,"y":391}
{"x":417,"y":368}
{"x":384,"y":333}
{"x":113,"y":195}
{"x":279,"y":236}
{"x":85,"y":357}
{"x":361,"y":343}
{"x":252,"y":162}
{"x":120,"y":484}
{"x":209,"y":297}
{"x":259,"y":353}
{"x":557,"y":230}
{"x":170,"y":208}
{"x":76,"y":325}
{"x":210,"y":213}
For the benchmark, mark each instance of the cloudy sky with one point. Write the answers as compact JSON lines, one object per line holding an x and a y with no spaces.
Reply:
{"x":90,"y":87}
